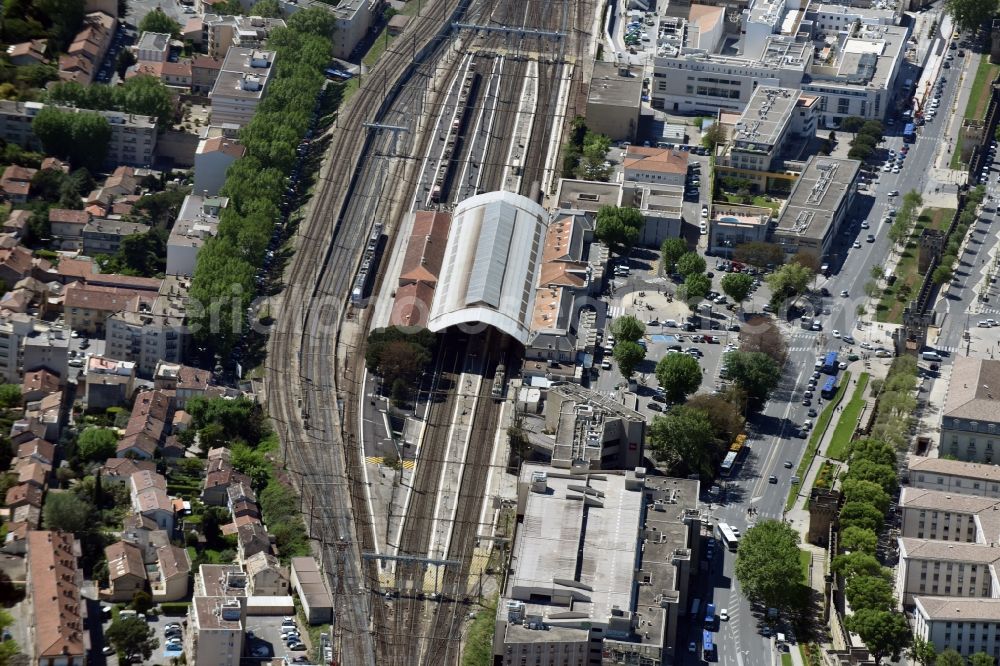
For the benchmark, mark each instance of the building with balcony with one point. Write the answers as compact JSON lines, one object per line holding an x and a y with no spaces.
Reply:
{"x":197,"y":221}
{"x":57,"y":635}
{"x":241,"y":85}
{"x":148,"y":332}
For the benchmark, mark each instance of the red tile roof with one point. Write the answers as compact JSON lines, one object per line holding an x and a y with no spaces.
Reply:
{"x":55,"y":593}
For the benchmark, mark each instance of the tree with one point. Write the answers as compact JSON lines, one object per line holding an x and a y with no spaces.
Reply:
{"x":141,"y":601}
{"x":618,"y":227}
{"x":132,"y":637}
{"x":860,"y":152}
{"x":870,"y":592}
{"x":158,"y":21}
{"x":691,"y":264}
{"x":866,"y":470}
{"x":97,"y":444}
{"x":942,"y":274}
{"x":859,"y":564}
{"x":857,"y":490}
{"x":761,"y":334}
{"x":922,"y":651}
{"x":876,"y":450}
{"x":768,"y":566}
{"x":148,"y":96}
{"x":861,"y":514}
{"x":628,"y":355}
{"x":671,"y":250}
{"x":65,"y":16}
{"x":788,"y":281}
{"x":885,"y":633}
{"x":970,"y":14}
{"x":949,"y":657}
{"x":123,"y":61}
{"x":679,"y":376}
{"x":266,"y":8}
{"x":852,"y":123}
{"x":713,"y":136}
{"x":82,"y":138}
{"x":65,"y":512}
{"x":982,"y":659}
{"x":723,"y":411}
{"x":877,"y":272}
{"x":854,"y":538}
{"x":313,"y":21}
{"x":695,"y":288}
{"x":393,"y":354}
{"x":8,"y":648}
{"x":10,"y":396}
{"x":628,"y":328}
{"x":737,"y":286}
{"x":754,"y":372}
{"x":807,"y":259}
{"x":759,"y":254}
{"x":683,"y":439}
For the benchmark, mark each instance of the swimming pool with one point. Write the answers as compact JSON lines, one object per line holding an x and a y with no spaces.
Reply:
{"x":729,"y":220}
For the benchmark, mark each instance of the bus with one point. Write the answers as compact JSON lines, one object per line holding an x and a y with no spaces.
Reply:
{"x":695,"y":607}
{"x":709,"y":616}
{"x":738,"y":450}
{"x":728,"y":537}
{"x":830,"y":364}
{"x":909,"y":133}
{"x":707,"y":646}
{"x":727,"y":465}
{"x":829,"y":388}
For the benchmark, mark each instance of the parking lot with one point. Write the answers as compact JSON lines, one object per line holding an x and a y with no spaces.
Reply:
{"x":264,"y":640}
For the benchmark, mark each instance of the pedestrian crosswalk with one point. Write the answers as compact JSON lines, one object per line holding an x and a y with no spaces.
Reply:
{"x":946,"y":348}
{"x":615,"y":311}
{"x":379,"y":460}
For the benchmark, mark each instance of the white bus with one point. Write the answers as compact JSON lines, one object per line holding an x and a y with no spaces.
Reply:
{"x":728,"y":537}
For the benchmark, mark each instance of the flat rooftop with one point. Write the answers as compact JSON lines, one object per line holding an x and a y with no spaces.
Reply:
{"x":609,"y":87}
{"x":765,"y":118}
{"x":817,"y":196}
{"x":587,"y":195}
{"x":218,"y":613}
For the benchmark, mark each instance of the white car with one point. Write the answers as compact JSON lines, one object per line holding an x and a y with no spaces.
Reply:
{"x":843,"y":365}
{"x":844,"y":293}
{"x":866,"y":345}
{"x":724,"y":615}
{"x":895,"y":169}
{"x":856,"y":244}
{"x":887,"y":168}
{"x":836,"y":333}
{"x":704,"y":211}
{"x":864,"y":224}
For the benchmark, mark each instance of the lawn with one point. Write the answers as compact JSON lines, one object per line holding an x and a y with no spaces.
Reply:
{"x":822,"y":423}
{"x":805,"y":557}
{"x":848,"y":421}
{"x":975,"y":108}
{"x":786,"y":659}
{"x":758,"y":200}
{"x":895,"y":298}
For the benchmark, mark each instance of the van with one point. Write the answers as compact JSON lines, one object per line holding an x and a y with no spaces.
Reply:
{"x":931,"y":356}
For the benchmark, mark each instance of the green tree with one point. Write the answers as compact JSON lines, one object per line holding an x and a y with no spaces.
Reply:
{"x":671,"y":250}
{"x":9,"y":648}
{"x":723,"y":411}
{"x":922,"y":652}
{"x":866,"y":470}
{"x":713,"y":136}
{"x":860,"y":152}
{"x":872,"y":592}
{"x":852,"y":123}
{"x":141,"y":601}
{"x":628,"y":355}
{"x":158,"y":21}
{"x":788,"y":281}
{"x":65,"y":16}
{"x":761,"y":334}
{"x":266,"y":8}
{"x":97,"y":444}
{"x":82,"y":138}
{"x":695,"y":288}
{"x":148,"y":96}
{"x":970,"y":14}
{"x":679,"y":376}
{"x":857,"y":490}
{"x":853,"y":538}
{"x":10,"y":396}
{"x":628,"y":328}
{"x":755,"y":372}
{"x":861,"y":514}
{"x":392,"y":354}
{"x":981,"y":659}
{"x":313,"y":21}
{"x":942,"y":274}
{"x":684,"y":440}
{"x":737,"y":286}
{"x":132,"y":637}
{"x":859,"y":564}
{"x":949,"y":657}
{"x":885,"y":633}
{"x":873,"y":449}
{"x":65,"y":512}
{"x":123,"y":61}
{"x":618,"y":227}
{"x":759,"y":254}
{"x":691,"y":264}
{"x":768,"y":566}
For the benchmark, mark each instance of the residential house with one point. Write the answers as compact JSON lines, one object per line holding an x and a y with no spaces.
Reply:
{"x":38,"y":450}
{"x":28,"y":53}
{"x":15,"y":184}
{"x":265,"y":576}
{"x":34,"y":473}
{"x":17,"y":222}
{"x":56,"y":632}
{"x":150,"y":499}
{"x":55,"y":164}
{"x":126,"y":572}
{"x":170,"y":580}
{"x":655,"y":165}
{"x":211,"y":160}
{"x":147,"y":426}
{"x":252,"y":539}
{"x":86,"y":53}
{"x":204,"y":73}
{"x":46,"y":349}
{"x":24,"y":494}
{"x":219,"y":476}
{"x":120,"y":470}
{"x":88,"y":306}
{"x":17,"y":263}
{"x":109,"y":383}
{"x":103,"y":236}
{"x":185,"y":381}
{"x":152,"y":47}
{"x":67,"y":227}
{"x":38,"y":384}
{"x":16,"y":541}
{"x":241,"y":500}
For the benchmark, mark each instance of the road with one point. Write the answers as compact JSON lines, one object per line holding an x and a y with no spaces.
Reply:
{"x":739,"y":641}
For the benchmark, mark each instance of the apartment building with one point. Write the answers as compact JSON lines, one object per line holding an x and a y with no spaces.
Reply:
{"x":109,"y":382}
{"x":954,"y":476}
{"x":970,"y":420}
{"x":216,"y":620}
{"x":103,"y":236}
{"x":946,"y":516}
{"x":945,"y":568}
{"x":57,"y":635}
{"x":14,"y":330}
{"x":577,"y":595}
{"x":147,"y":331}
{"x":87,"y":307}
{"x":613,"y":101}
{"x":220,"y":33}
{"x":241,"y":85}
{"x":817,"y":206}
{"x":965,"y":625}
{"x":212,"y":158}
{"x":197,"y":221}
{"x":133,"y":137}
{"x":85,"y":54}
{"x":152,"y":47}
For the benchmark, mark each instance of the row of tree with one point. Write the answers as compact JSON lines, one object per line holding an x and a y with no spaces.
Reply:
{"x":584,"y":153}
{"x":966,"y":220}
{"x":142,"y":95}
{"x":906,"y":218}
{"x":869,"y":134}
{"x":224,"y":275}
